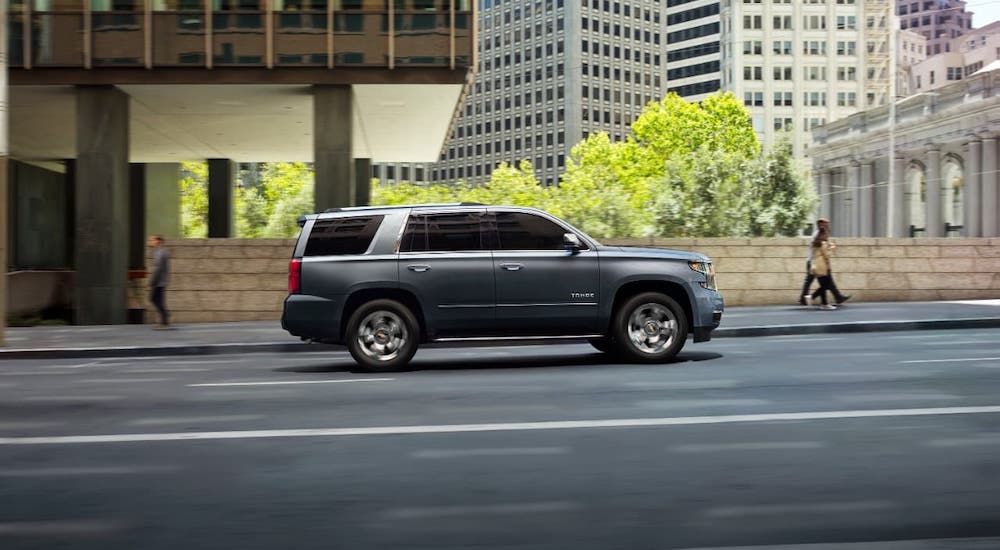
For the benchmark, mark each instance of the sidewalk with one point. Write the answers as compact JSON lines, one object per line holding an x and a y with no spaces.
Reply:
{"x":267,"y":336}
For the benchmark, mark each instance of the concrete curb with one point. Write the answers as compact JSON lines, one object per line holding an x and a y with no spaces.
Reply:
{"x":300,"y":347}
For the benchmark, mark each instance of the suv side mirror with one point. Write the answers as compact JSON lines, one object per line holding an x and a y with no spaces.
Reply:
{"x":572,"y":242}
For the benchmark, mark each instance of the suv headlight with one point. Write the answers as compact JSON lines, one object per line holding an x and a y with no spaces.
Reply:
{"x":708,"y":270}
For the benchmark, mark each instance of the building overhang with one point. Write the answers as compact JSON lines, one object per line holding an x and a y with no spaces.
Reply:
{"x":226,"y":116}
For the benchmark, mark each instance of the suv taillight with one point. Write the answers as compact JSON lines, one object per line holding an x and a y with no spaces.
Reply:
{"x":294,"y":276}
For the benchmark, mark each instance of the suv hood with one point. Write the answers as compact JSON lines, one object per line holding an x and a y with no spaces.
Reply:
{"x":666,"y":253}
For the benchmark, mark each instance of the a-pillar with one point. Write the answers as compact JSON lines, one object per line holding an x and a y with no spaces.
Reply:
{"x":221,"y":180}
{"x":102,"y":195}
{"x":989,"y":188}
{"x":363,"y":182}
{"x":935,"y":217}
{"x":866,"y":201}
{"x":897,"y":199}
{"x":163,"y":200}
{"x":973,"y":196}
{"x":332,"y":140}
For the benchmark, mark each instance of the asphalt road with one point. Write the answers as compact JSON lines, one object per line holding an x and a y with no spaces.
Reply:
{"x":779,"y":442}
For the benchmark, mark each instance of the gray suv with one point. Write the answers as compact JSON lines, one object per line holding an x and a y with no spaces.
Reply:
{"x":382,"y":280}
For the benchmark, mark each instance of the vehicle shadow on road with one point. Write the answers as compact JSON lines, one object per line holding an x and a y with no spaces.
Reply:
{"x":521,"y":361}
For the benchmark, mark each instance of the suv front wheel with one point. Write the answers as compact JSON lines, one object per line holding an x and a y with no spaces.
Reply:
{"x":382,"y":336}
{"x":650,"y":328}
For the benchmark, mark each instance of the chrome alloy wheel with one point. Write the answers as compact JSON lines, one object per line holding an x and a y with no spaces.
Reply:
{"x":652,"y":328}
{"x":381,"y":335}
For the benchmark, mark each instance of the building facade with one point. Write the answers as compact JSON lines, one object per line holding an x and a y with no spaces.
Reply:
{"x":107,"y":98}
{"x":938,"y":20}
{"x":550,"y":73}
{"x":966,"y":55}
{"x":694,"y":44}
{"x":931,"y":172}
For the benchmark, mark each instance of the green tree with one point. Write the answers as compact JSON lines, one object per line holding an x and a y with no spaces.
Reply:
{"x":781,"y":198}
{"x":194,"y":199}
{"x":701,"y":195}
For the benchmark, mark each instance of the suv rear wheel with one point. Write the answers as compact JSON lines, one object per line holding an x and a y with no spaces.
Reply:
{"x":382,"y":336}
{"x":650,"y":328}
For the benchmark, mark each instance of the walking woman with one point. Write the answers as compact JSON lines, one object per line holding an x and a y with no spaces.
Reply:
{"x":822,"y":269}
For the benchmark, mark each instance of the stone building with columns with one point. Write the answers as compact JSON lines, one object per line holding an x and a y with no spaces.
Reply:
{"x":107,"y":98}
{"x":932,"y":172}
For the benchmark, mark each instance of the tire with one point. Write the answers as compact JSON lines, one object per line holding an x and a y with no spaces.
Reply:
{"x":382,"y":336}
{"x":650,"y":328}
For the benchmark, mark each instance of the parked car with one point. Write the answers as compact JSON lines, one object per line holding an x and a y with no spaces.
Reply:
{"x":383,"y":280}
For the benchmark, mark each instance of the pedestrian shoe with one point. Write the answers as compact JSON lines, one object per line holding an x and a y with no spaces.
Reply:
{"x":828,"y":307}
{"x":806,"y":300}
{"x":843,"y":298}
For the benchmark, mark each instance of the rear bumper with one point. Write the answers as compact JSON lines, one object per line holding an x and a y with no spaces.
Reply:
{"x":312,"y":317}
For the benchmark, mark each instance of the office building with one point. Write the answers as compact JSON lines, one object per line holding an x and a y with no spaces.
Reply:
{"x":939,"y":21}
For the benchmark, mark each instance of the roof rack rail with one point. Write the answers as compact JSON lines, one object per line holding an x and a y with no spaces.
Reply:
{"x":355,"y":208}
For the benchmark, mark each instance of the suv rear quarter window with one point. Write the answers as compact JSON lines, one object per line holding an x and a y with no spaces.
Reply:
{"x":455,"y":231}
{"x":340,"y":236}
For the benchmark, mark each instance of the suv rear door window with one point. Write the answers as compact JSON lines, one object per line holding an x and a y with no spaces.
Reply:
{"x":522,"y":231}
{"x":443,"y":232}
{"x":339,"y":236}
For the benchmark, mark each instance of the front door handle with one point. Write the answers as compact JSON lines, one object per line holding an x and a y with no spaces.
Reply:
{"x":512,"y":267}
{"x":419,"y":268}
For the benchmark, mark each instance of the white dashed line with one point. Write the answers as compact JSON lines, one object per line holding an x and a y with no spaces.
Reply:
{"x":287,"y":382}
{"x":799,"y":508}
{"x":163,"y":370}
{"x":736,"y":447}
{"x":880,"y":397}
{"x":961,"y":360}
{"x":509,"y":451}
{"x":696,"y":403}
{"x":522,"y":426}
{"x":123,"y":380}
{"x":979,"y":441}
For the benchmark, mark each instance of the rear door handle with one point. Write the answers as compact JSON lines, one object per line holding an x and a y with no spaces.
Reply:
{"x":512,"y":267}
{"x":419,"y":268}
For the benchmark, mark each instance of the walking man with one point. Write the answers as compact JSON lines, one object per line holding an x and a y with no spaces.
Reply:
{"x":158,"y":279}
{"x":822,"y":225}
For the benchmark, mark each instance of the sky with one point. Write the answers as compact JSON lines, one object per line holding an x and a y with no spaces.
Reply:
{"x":985,"y":11}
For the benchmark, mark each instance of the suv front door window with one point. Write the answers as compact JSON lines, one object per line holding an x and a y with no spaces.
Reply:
{"x":541,"y":286}
{"x":443,"y":260}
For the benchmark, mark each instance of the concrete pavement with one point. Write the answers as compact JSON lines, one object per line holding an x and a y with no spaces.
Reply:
{"x":267,"y":336}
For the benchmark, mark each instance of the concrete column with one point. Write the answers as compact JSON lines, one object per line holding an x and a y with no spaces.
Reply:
{"x":136,"y":232}
{"x":935,"y":218}
{"x":70,"y":180}
{"x":866,"y":201}
{"x":973,"y":190}
{"x":363,"y":182}
{"x":897,"y":199}
{"x":221,"y":179}
{"x":852,"y":222}
{"x":4,"y":248}
{"x":825,"y":196}
{"x":332,"y":141}
{"x":163,"y":200}
{"x":989,"y":188}
{"x":102,"y":182}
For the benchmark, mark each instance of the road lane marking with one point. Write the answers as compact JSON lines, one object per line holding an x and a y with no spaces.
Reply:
{"x":761,"y":446}
{"x":499,"y":427}
{"x":976,"y":543}
{"x":287,"y":382}
{"x":800,"y":508}
{"x":193,"y":420}
{"x":961,"y":360}
{"x":988,"y":439}
{"x":32,"y":373}
{"x":427,"y":512}
{"x":28,"y":425}
{"x":59,"y":528}
{"x":807,"y":339}
{"x":694,"y":403}
{"x":85,"y":471}
{"x":957,"y":343}
{"x":508,"y":451}
{"x":684,"y":385}
{"x":122,"y":380}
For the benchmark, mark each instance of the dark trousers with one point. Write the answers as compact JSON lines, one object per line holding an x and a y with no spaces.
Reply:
{"x":807,"y":283}
{"x":158,"y":295}
{"x":826,"y":283}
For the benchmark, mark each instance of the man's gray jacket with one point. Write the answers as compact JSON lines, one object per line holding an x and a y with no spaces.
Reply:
{"x":161,"y":268}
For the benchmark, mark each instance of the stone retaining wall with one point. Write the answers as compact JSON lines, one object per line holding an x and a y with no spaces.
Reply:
{"x":246,"y":279}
